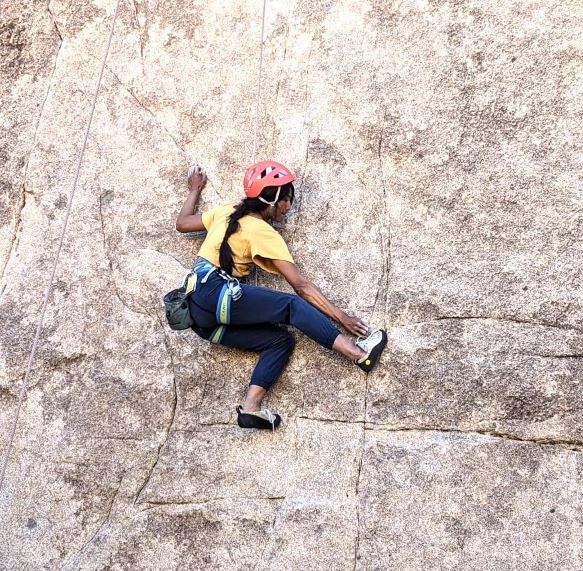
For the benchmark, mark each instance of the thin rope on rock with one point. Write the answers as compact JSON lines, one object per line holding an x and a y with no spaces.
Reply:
{"x":32,"y":354}
{"x":258,"y":98}
{"x":259,"y":83}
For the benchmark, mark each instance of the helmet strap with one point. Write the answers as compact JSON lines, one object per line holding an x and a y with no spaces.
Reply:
{"x":274,"y":200}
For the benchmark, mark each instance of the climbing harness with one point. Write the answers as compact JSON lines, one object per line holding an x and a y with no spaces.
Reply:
{"x":205,"y":268}
{"x":176,"y":301}
{"x":231,"y":290}
{"x":32,"y":354}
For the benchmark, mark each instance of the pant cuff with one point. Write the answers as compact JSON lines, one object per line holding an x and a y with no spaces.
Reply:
{"x":263,"y":384}
{"x":331,"y":338}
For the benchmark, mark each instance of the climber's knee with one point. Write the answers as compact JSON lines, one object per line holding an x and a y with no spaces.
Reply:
{"x":290,"y":342}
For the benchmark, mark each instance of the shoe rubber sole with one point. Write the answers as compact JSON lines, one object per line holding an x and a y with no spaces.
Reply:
{"x":245,"y":420}
{"x":369,"y":363}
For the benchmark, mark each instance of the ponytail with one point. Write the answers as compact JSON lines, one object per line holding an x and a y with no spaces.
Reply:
{"x":248,"y":206}
{"x":225,"y":252}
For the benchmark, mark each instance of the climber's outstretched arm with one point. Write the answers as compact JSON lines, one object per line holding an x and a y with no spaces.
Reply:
{"x":187,"y":220}
{"x":312,"y":294}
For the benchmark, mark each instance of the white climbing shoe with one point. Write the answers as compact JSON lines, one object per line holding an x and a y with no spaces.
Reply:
{"x":373,"y":346}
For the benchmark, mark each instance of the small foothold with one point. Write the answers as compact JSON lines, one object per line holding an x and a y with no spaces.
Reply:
{"x":552,"y":510}
{"x":31,"y":523}
{"x":524,"y":288}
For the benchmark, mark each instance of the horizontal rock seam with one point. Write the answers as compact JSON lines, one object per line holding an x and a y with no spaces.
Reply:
{"x":577,"y":444}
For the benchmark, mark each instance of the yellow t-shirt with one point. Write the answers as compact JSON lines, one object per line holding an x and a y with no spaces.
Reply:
{"x":256,"y":242}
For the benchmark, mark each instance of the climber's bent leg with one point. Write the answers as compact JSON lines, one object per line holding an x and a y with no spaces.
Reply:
{"x":274,"y":344}
{"x":263,"y":305}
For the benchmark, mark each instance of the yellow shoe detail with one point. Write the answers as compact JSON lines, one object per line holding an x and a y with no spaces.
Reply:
{"x":367,"y":362}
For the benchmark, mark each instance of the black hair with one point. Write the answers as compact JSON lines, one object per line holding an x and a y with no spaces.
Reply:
{"x":248,"y":206}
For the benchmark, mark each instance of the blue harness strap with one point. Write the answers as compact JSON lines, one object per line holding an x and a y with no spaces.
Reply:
{"x":203,"y":269}
{"x":223,"y":313}
{"x":217,"y":334}
{"x":230,"y":291}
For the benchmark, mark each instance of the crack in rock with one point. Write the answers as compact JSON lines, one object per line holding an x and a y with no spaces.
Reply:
{"x":357,"y":491}
{"x":13,"y":238}
{"x":111,"y":278}
{"x":172,"y":416}
{"x":279,"y":81}
{"x":71,"y":563}
{"x":575,"y":445}
{"x":551,"y":356}
{"x":269,"y":533}
{"x":492,"y":318}
{"x":116,"y":437}
{"x":142,"y":31}
{"x":382,"y":289}
{"x":13,"y":246}
{"x":149,"y":112}
{"x":150,"y":505}
{"x":318,"y":419}
{"x":50,"y":82}
{"x":156,"y":319}
{"x":54,"y":20}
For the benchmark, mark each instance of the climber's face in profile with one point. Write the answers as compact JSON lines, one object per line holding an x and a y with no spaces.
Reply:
{"x":282,"y":207}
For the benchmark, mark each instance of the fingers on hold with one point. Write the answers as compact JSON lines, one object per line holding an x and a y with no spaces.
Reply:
{"x":194,"y":169}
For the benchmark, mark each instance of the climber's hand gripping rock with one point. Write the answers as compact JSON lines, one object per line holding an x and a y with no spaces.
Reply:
{"x":354,"y":325}
{"x":196,"y":178}
{"x":188,"y":220}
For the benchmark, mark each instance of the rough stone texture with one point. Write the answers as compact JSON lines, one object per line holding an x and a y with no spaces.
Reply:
{"x":507,"y":378}
{"x":438,"y":148}
{"x":29,"y":46}
{"x":479,"y":503}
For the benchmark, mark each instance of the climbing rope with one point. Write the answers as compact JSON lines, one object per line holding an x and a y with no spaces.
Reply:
{"x":24,"y":385}
{"x":257,"y":99}
{"x":259,"y":84}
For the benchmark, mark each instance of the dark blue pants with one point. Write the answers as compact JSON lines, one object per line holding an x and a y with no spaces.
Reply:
{"x":253,"y":324}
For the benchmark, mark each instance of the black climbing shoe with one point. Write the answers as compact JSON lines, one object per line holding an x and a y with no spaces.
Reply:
{"x":373,"y":345}
{"x":263,"y":418}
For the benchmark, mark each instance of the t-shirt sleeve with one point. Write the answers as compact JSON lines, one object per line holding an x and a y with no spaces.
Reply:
{"x":267,"y":245}
{"x":208,"y":217}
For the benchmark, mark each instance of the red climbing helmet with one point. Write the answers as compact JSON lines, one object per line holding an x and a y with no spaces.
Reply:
{"x":263,"y":174}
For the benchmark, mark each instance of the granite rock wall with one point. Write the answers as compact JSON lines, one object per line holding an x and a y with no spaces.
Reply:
{"x":438,"y":150}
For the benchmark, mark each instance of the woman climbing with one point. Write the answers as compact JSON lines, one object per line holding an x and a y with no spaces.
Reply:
{"x":247,"y":317}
